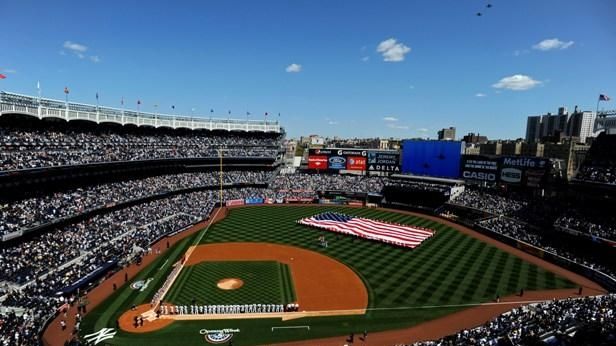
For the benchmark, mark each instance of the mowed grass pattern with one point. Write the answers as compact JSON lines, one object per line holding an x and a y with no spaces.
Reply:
{"x":450,"y":268}
{"x":265,"y":282}
{"x":406,"y":287}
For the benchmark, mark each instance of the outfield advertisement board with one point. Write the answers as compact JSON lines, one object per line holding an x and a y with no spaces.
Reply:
{"x":254,"y":200}
{"x":354,"y":160}
{"x":233,"y":202}
{"x":521,"y":170}
{"x":356,"y":163}
{"x":516,"y":170}
{"x":480,"y":168}
{"x":384,"y":161}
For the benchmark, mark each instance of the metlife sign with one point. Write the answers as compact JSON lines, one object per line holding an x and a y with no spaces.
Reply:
{"x":481,"y":168}
{"x":384,"y":161}
{"x":529,"y":171}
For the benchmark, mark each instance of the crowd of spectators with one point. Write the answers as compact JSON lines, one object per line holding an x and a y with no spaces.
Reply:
{"x":303,"y":185}
{"x":599,"y":166}
{"x":604,"y":227}
{"x":489,"y":201}
{"x":558,"y":322}
{"x":34,"y":148}
{"x":597,"y":174}
{"x":55,"y":260}
{"x":31,"y":212}
{"x":531,"y":235}
{"x":307,"y":185}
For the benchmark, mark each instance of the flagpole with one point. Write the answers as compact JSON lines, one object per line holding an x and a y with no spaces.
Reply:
{"x":598,"y":100}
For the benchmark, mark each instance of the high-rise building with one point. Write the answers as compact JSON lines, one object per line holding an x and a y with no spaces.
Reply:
{"x":447,"y":134}
{"x":562,"y":125}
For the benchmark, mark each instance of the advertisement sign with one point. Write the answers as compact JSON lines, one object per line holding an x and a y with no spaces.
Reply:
{"x":254,"y":200}
{"x":233,"y":202}
{"x":511,"y":175}
{"x":337,"y":162}
{"x":384,"y":161}
{"x":356,"y":163}
{"x":338,"y":152}
{"x":482,"y":168}
{"x":317,"y":162}
{"x":529,"y":171}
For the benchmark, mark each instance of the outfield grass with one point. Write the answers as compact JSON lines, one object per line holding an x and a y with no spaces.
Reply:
{"x":449,"y":269}
{"x":265,"y":282}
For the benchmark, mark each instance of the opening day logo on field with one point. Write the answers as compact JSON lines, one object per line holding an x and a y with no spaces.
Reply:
{"x":218,"y":336}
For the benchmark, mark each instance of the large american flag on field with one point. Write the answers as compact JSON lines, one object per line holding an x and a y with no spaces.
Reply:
{"x":400,"y":235}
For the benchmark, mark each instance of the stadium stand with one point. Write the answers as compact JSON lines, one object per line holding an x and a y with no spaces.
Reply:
{"x":600,"y":163}
{"x":28,"y":148}
{"x":582,"y":321}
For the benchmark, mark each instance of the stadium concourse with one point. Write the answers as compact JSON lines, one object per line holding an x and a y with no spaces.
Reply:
{"x":61,"y":239}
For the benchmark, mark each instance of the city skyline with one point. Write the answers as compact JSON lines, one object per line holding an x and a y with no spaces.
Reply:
{"x":352,"y":69}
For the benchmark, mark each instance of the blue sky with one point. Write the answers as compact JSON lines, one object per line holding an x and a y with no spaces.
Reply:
{"x":347,"y":68}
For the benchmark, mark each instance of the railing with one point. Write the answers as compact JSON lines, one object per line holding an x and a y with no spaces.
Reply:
{"x":11,"y":103}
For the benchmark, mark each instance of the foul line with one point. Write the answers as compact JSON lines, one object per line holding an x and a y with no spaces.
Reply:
{"x":164,"y":264}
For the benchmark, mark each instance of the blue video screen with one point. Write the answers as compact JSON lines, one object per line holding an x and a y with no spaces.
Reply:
{"x":432,"y":158}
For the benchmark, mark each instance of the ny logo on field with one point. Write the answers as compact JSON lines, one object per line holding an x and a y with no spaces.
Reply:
{"x":101,"y":335}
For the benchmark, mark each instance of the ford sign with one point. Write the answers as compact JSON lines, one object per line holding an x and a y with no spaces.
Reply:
{"x":337,"y":162}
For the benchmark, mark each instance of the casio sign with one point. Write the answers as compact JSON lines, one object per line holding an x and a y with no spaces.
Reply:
{"x":511,"y":175}
{"x":479,"y":175}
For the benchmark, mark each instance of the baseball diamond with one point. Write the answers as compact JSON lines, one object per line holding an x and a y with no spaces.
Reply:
{"x":450,"y":272}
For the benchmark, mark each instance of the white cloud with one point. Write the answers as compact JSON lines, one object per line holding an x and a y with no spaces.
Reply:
{"x":552,"y":43}
{"x":516,"y":82}
{"x":332,"y":122}
{"x":365,"y":59}
{"x":75,"y":47}
{"x":7,"y":70}
{"x":391,"y":119}
{"x":423,"y":129}
{"x":79,"y":50}
{"x":480,"y":95}
{"x":392,"y":50}
{"x":294,"y":68}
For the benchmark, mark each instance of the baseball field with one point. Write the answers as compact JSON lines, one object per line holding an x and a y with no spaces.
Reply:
{"x":270,"y":257}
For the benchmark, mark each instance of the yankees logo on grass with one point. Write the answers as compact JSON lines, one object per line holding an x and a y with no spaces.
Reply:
{"x":218,"y":336}
{"x":101,"y":335}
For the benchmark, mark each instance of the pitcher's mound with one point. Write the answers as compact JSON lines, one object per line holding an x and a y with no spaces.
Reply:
{"x":230,"y":284}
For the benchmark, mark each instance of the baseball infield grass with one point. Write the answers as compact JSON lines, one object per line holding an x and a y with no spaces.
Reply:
{"x":405,"y":287}
{"x":264,"y":282}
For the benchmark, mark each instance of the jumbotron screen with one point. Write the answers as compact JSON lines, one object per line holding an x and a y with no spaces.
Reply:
{"x":432,"y":158}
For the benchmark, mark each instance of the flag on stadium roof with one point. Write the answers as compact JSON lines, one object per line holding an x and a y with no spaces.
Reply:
{"x":2,"y":76}
{"x":603,"y":97}
{"x":400,"y":235}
